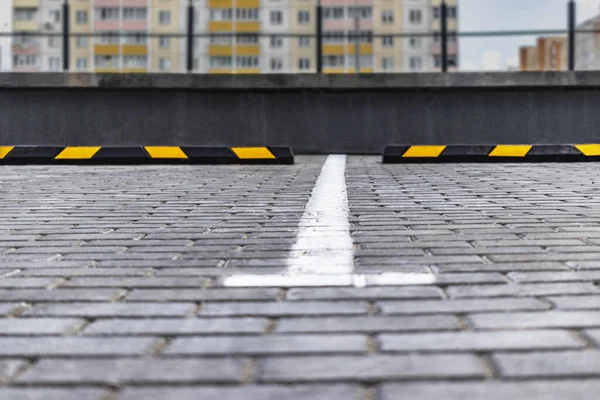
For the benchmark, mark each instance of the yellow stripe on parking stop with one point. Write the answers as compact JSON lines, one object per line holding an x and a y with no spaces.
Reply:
{"x":510,"y":151}
{"x":423,"y":151}
{"x":589,"y":149}
{"x":77,"y":153}
{"x":4,"y":150}
{"x":249,"y":153}
{"x":165,"y":152}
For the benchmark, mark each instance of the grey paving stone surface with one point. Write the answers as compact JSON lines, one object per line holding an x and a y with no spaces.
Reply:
{"x":371,"y":368}
{"x":117,"y":371}
{"x":491,"y":390}
{"x":263,"y":392}
{"x":112,"y":284}
{"x":549,"y":364}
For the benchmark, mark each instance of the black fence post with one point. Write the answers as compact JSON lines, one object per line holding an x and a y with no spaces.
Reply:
{"x":571,"y":15}
{"x":444,"y":34}
{"x":190,"y":37}
{"x":65,"y":35}
{"x":319,"y":38}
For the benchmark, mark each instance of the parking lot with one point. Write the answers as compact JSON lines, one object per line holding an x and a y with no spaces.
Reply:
{"x":336,"y":277}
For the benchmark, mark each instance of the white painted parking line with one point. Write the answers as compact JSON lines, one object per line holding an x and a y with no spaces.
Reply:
{"x":323,"y":254}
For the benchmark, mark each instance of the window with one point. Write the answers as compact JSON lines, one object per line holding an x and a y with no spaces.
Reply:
{"x":106,"y":61}
{"x":135,"y":61}
{"x":109,"y":38}
{"x":451,"y":37}
{"x":452,"y":61}
{"x":24,"y":14}
{"x":452,"y":12}
{"x":25,"y":60}
{"x":221,"y":62}
{"x":81,"y":42}
{"x":276,"y":42}
{"x":219,"y":39}
{"x":365,"y":61}
{"x":107,"y":13}
{"x":53,"y":42}
{"x":333,"y":12}
{"x":415,"y":16}
{"x":164,"y":17}
{"x":135,"y":13}
{"x":416,"y":63}
{"x":81,"y":64}
{"x":25,"y":40}
{"x":246,"y":61}
{"x":246,"y":14}
{"x":135,"y":38}
{"x":360,"y":12}
{"x":333,"y":37}
{"x":334,"y":61}
{"x":247,"y":39}
{"x":304,"y":63}
{"x":276,"y":64}
{"x":164,"y":42}
{"x":54,"y":16}
{"x":363,"y":36}
{"x":387,"y":63}
{"x":415,"y":42}
{"x":164,"y":64}
{"x":54,"y":64}
{"x":387,"y":16}
{"x":276,"y":17}
{"x":303,"y":41}
{"x":220,"y":14}
{"x":437,"y":61}
{"x":437,"y":13}
{"x":81,"y":17}
{"x":303,"y":17}
{"x":387,"y":41}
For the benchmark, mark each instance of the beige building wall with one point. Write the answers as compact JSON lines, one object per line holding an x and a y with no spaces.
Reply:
{"x":528,"y":58}
{"x":549,"y":54}
{"x":176,"y":45}
{"x":85,"y":50}
{"x":296,"y":52}
{"x":394,"y":52}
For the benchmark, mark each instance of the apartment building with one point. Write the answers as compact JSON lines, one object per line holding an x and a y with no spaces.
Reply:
{"x":357,"y":33}
{"x":234,"y":36}
{"x":587,"y":45}
{"x":548,"y":54}
{"x":30,"y":52}
{"x":125,"y":36}
{"x":6,"y":9}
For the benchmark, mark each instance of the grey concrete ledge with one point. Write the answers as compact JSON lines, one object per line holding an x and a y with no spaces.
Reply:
{"x":301,"y":81}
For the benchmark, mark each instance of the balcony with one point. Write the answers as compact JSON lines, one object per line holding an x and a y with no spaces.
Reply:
{"x":240,"y":26}
{"x":229,"y":4}
{"x":26,"y":48}
{"x":135,"y":50}
{"x":107,"y":49}
{"x":340,"y":49}
{"x":26,"y":3}
{"x":26,"y":26}
{"x":239,"y":50}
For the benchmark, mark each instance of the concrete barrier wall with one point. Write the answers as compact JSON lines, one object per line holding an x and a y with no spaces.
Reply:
{"x":313,"y":114}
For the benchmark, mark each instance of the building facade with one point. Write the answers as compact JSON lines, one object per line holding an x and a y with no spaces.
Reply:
{"x":6,"y":9}
{"x":549,"y":54}
{"x":587,"y":45}
{"x":234,"y":36}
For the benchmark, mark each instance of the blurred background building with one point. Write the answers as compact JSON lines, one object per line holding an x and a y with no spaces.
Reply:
{"x":6,"y":8}
{"x":549,"y":54}
{"x":232,"y":36}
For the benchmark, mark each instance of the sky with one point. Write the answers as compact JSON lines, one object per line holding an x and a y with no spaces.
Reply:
{"x":499,"y":53}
